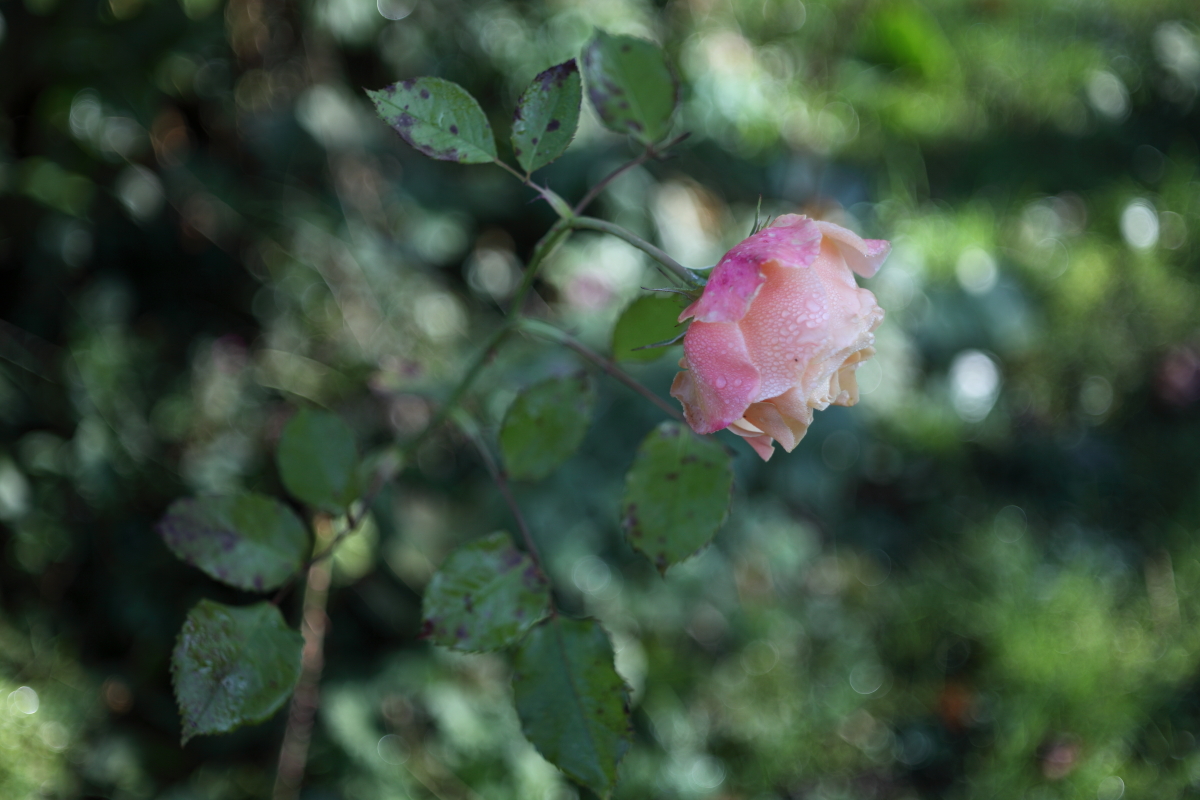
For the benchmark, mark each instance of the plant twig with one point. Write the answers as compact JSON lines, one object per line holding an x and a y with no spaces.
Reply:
{"x":548,"y":331}
{"x":293,"y":755}
{"x":557,"y":203}
{"x":544,"y":248}
{"x":674,"y":270}
{"x":519,"y":176}
{"x":471,"y":428}
{"x":647,"y":154}
{"x":464,"y":383}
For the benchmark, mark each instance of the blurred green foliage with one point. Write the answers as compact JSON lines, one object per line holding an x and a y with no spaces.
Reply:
{"x":979,"y":582}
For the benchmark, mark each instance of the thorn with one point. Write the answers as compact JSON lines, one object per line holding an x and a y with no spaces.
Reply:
{"x":683,"y":292}
{"x":666,"y":343}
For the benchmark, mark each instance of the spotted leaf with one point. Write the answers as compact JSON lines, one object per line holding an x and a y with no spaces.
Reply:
{"x":484,"y":597}
{"x":248,"y":541}
{"x":630,"y":85}
{"x":573,"y":705}
{"x":233,"y":666}
{"x":437,"y":117}
{"x":547,"y":115}
{"x":676,"y":494}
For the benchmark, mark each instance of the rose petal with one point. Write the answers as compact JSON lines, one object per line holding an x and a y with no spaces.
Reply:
{"x":791,"y":241}
{"x":789,"y":327}
{"x":762,"y":446}
{"x":864,"y":256}
{"x":720,"y":380}
{"x":769,"y":419}
{"x":793,"y":406}
{"x":761,"y":442}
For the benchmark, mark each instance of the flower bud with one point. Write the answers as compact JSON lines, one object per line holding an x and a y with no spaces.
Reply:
{"x":779,"y":331}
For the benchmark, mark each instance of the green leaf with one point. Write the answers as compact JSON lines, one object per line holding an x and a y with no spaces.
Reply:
{"x":573,"y":705}
{"x":437,"y":117}
{"x":247,"y":540}
{"x":545,"y":424}
{"x":676,"y":494}
{"x":233,"y":666}
{"x":630,"y":85}
{"x":647,"y":320}
{"x":547,"y":115}
{"x":318,"y":461}
{"x":485,"y":596}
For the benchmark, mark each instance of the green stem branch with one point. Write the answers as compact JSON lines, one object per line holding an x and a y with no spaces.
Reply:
{"x":647,"y":154}
{"x":546,"y":331}
{"x":471,"y":428}
{"x":673,"y":269}
{"x":548,"y":244}
{"x":456,"y":396}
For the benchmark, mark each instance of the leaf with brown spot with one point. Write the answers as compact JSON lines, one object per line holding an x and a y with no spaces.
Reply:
{"x":677,"y":494}
{"x":484,"y":597}
{"x":630,"y":85}
{"x":547,"y":115}
{"x":232,"y":666}
{"x":573,"y":706}
{"x":248,"y":541}
{"x":437,"y":117}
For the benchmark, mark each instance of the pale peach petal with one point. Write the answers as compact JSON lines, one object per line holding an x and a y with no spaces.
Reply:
{"x":769,"y":419}
{"x":721,"y":377}
{"x":762,"y":446}
{"x":793,"y":405}
{"x":863,"y":256}
{"x":743,"y":427}
{"x":785,"y":331}
{"x":760,"y":441}
{"x":847,"y":377}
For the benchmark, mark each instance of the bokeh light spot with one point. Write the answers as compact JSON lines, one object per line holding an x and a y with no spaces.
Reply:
{"x":974,"y":384}
{"x":1139,"y":225}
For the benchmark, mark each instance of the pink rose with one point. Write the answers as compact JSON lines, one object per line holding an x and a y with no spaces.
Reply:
{"x":779,"y":331}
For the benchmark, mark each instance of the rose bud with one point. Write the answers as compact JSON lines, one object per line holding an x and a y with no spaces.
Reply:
{"x":779,"y":331}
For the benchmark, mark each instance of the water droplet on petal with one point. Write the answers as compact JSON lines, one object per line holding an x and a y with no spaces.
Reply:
{"x":720,"y":383}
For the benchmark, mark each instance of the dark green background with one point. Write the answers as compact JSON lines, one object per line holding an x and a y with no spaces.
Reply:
{"x":944,"y":592}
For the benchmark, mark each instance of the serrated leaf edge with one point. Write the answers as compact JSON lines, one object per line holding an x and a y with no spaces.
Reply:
{"x":187,"y":736}
{"x":379,"y":96}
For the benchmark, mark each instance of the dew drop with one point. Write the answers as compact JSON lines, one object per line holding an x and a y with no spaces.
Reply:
{"x":737,"y":381}
{"x":720,"y":383}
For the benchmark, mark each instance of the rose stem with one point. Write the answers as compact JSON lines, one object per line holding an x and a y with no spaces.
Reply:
{"x":471,"y":428}
{"x":548,"y":331}
{"x":676,"y":270}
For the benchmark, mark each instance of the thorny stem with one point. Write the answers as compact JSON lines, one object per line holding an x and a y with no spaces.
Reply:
{"x":647,"y":154}
{"x":674,"y":270}
{"x":557,"y":203}
{"x":387,"y":468}
{"x":547,"y":331}
{"x":293,"y":755}
{"x":353,"y":520}
{"x":464,"y":383}
{"x":547,"y":245}
{"x":544,"y":248}
{"x":522,"y":178}
{"x":500,"y":477}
